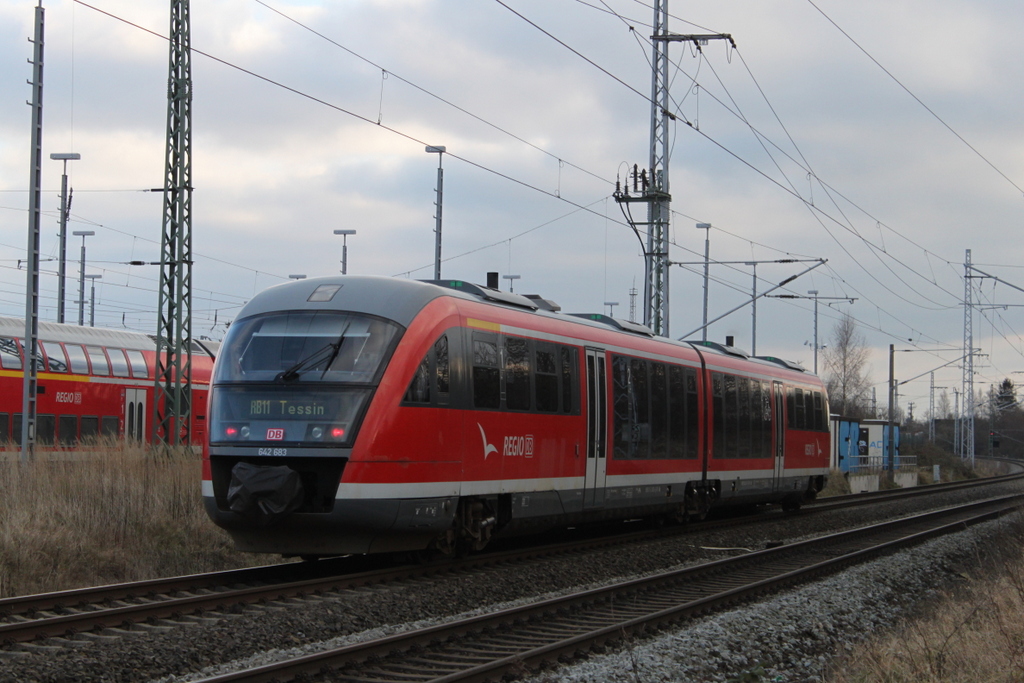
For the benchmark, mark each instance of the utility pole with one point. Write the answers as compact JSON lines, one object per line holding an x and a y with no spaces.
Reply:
{"x":172,"y":406}
{"x":651,"y":185}
{"x":439,"y":150}
{"x":29,"y":384}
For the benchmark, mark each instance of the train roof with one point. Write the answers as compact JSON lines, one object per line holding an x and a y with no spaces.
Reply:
{"x":76,"y":334}
{"x":94,"y":336}
{"x":400,"y":300}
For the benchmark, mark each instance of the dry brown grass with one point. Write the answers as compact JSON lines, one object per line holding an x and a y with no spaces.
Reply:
{"x":973,"y":635}
{"x":119,"y":512}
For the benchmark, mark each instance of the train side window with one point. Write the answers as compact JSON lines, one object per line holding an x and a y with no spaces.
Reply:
{"x":442,"y":368}
{"x":546,"y":379}
{"x":77,"y":360}
{"x":138,"y":363}
{"x":800,"y":420}
{"x":790,"y":408}
{"x":90,"y":427}
{"x":517,"y":373}
{"x":756,"y":424}
{"x":56,"y":361}
{"x":46,"y":429}
{"x":731,"y":416}
{"x":766,"y":418}
{"x":659,"y":410}
{"x":622,"y":403}
{"x":718,"y":400}
{"x":819,"y":418}
{"x":110,"y":426}
{"x":641,"y":437}
{"x":570,"y":387}
{"x":10,"y":358}
{"x":67,"y":430}
{"x":16,"y":428}
{"x":98,"y":360}
{"x":486,"y":373}
{"x":743,"y":426}
{"x":677,"y":412}
{"x":419,"y":387}
{"x":5,"y":432}
{"x":693,"y":423}
{"x":118,"y":363}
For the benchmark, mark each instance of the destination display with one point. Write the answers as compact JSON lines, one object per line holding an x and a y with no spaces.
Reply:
{"x":341,"y":404}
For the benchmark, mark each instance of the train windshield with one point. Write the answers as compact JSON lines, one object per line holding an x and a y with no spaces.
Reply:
{"x":306,"y":346}
{"x":298,"y":377}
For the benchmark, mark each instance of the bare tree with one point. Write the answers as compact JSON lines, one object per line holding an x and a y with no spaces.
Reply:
{"x":944,"y":410}
{"x":845,"y":362}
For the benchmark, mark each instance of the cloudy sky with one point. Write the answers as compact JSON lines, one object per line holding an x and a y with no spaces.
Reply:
{"x":883,"y":136}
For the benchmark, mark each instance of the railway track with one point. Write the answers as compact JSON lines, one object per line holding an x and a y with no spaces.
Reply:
{"x":490,"y":646}
{"x":60,"y":617}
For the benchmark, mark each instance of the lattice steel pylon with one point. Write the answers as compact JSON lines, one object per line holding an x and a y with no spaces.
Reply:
{"x":656,"y":289}
{"x":966,"y":443}
{"x":173,"y":403}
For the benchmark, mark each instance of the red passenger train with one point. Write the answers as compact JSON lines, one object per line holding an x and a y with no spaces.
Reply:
{"x":367,"y":414}
{"x":91,"y":382}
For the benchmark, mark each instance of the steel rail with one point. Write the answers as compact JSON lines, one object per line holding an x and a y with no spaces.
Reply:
{"x":708,"y":587}
{"x":64,"y":613}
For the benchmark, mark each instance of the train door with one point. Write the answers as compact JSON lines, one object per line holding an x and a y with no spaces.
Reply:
{"x":135,"y":414}
{"x":779,"y":420}
{"x":597,"y":429}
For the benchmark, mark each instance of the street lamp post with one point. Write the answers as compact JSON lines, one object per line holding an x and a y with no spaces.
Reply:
{"x":611,"y":307}
{"x":511,"y":280}
{"x":297,"y":276}
{"x":707,"y":261}
{"x":439,"y":150}
{"x":81,"y":275}
{"x":65,"y":209}
{"x":344,"y":248}
{"x":92,"y":299}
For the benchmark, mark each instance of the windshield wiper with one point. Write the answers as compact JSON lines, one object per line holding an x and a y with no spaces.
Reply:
{"x":314,"y":359}
{"x":328,"y":351}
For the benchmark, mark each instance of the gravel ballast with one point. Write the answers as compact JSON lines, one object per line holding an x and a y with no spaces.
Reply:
{"x":792,"y":636}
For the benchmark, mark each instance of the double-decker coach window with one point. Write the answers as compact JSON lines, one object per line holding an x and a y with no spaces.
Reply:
{"x":67,"y":430}
{"x":98,"y":360}
{"x":46,"y":429}
{"x":10,"y":358}
{"x":138,"y":363}
{"x":90,"y":428}
{"x":5,"y":431}
{"x":76,"y":359}
{"x":118,"y":363}
{"x":56,"y":361}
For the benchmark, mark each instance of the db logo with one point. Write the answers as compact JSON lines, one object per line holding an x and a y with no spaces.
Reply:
{"x":275,"y":434}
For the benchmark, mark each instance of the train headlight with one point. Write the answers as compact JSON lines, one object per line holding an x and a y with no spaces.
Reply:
{"x":337,"y":433}
{"x":244,"y":432}
{"x":317,"y":433}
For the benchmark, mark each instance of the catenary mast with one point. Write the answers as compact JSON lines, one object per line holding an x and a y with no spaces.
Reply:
{"x":172,"y":406}
{"x":651,"y":185}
